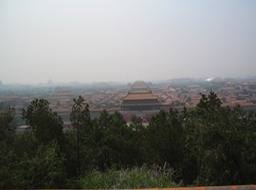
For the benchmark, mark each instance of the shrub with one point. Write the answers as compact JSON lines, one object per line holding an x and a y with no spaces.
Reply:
{"x":142,"y":177}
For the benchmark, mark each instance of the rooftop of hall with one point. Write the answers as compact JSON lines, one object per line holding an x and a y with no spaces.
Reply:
{"x":140,"y":96}
{"x":140,"y":91}
{"x":140,"y":87}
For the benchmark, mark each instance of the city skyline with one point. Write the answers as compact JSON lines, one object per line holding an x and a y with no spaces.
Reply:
{"x":96,"y":40}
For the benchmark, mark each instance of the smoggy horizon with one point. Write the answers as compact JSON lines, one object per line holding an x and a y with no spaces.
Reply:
{"x":97,"y":40}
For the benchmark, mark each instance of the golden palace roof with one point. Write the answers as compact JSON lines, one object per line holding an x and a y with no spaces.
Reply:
{"x":140,"y":96}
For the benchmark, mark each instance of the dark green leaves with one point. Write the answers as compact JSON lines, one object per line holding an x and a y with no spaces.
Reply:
{"x":45,"y":124}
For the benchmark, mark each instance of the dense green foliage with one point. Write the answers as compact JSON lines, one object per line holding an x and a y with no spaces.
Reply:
{"x":207,"y":145}
{"x":142,"y":177}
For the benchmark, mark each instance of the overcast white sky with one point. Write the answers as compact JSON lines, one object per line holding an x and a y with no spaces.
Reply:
{"x":125,"y":40}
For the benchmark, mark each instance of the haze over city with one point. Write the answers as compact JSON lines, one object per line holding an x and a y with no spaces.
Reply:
{"x":97,"y":40}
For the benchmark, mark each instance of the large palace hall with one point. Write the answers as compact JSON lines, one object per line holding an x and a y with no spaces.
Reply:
{"x":140,"y":99}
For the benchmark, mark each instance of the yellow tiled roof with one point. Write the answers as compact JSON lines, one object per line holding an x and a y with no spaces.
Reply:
{"x":142,"y":96}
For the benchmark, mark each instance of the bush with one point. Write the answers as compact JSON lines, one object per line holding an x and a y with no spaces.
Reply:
{"x":142,"y":177}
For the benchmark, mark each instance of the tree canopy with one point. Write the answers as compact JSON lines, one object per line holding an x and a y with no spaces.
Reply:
{"x":45,"y":124}
{"x":209,"y":144}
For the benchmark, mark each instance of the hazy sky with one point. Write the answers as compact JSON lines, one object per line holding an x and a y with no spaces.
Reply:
{"x":125,"y":40}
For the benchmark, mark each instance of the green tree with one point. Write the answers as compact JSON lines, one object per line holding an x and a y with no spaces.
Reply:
{"x":116,"y":142}
{"x":101,"y":141}
{"x":136,"y":123}
{"x":8,"y":167}
{"x":45,"y":169}
{"x":121,"y":142}
{"x":7,"y":153}
{"x":82,"y":128}
{"x":45,"y":124}
{"x":165,"y":140}
{"x":216,"y":143}
{"x":6,"y":117}
{"x":138,"y":141}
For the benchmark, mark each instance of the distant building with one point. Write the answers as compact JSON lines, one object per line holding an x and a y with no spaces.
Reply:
{"x":140,"y":99}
